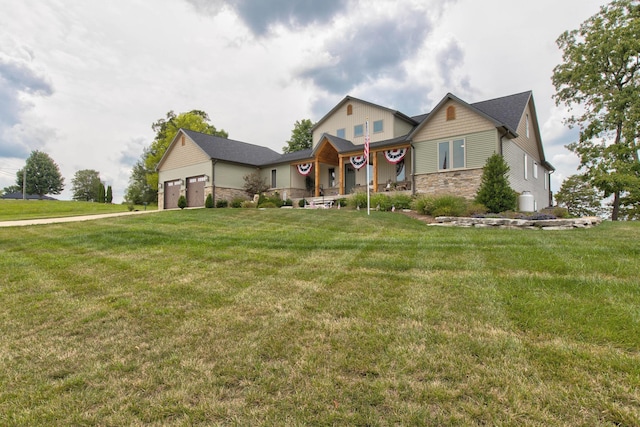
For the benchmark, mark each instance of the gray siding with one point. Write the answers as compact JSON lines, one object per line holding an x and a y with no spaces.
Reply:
{"x":515,"y":158}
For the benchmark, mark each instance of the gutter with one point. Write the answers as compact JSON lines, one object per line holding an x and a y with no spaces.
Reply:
{"x":213,"y":180}
{"x":413,"y":169}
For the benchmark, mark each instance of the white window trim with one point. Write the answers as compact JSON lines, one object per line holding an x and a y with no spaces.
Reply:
{"x":464,"y":147}
{"x":526,"y":167}
{"x":535,"y":170}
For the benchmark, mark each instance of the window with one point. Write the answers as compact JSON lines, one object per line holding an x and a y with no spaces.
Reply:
{"x":358,"y":130}
{"x":451,"y":154}
{"x":451,"y":113}
{"x":535,"y":170}
{"x":332,"y":177}
{"x":400,"y":171}
{"x":273,"y":178}
{"x":526,"y":161}
{"x":349,"y":110}
{"x":340,"y":133}
{"x":377,"y":126}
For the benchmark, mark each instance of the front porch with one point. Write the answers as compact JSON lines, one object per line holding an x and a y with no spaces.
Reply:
{"x":339,"y":168}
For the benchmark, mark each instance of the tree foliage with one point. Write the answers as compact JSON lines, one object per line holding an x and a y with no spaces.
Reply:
{"x":85,"y":185}
{"x":143,"y":183}
{"x":301,"y":136}
{"x":580,"y":197}
{"x":166,"y":130}
{"x":600,"y":75}
{"x":494,"y":192}
{"x":254,"y":183}
{"x":43,"y":175}
{"x":109,"y":195}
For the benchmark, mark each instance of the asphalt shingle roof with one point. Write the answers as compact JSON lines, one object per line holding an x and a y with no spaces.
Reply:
{"x":507,"y":109}
{"x":233,"y":151}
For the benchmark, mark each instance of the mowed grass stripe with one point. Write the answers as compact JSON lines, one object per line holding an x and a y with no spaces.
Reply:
{"x":297,"y":317}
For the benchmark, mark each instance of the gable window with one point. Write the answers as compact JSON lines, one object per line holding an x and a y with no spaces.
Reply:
{"x":451,"y":113}
{"x":378,"y":126}
{"x":273,"y":178}
{"x":349,"y":110}
{"x":451,"y":154}
{"x":358,"y":130}
{"x":182,"y":140}
{"x":340,"y":133}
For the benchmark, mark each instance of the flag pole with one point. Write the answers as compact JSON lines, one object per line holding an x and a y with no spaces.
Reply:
{"x":366,"y":154}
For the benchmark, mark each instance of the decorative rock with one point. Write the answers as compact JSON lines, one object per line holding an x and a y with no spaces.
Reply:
{"x":546,"y":224}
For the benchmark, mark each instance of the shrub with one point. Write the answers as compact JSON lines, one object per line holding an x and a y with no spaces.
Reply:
{"x":494,"y":191}
{"x":182,"y":202}
{"x":401,"y":201}
{"x":423,"y":205}
{"x":222,"y":203}
{"x":288,"y":202}
{"x":476,"y":210}
{"x":275,"y":200}
{"x":208,"y":203}
{"x":130,"y":206}
{"x":381,"y":202}
{"x":237,"y":202}
{"x":449,"y":205}
{"x":302,"y":203}
{"x":359,"y":199}
{"x":342,"y":202}
{"x":248,"y":204}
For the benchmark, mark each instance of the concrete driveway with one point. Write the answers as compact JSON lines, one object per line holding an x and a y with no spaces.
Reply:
{"x":39,"y":221}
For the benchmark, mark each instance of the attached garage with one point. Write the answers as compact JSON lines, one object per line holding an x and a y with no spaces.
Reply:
{"x":195,"y":191}
{"x":172,"y":193}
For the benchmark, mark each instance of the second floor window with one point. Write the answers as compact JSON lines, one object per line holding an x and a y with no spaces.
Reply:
{"x":358,"y":130}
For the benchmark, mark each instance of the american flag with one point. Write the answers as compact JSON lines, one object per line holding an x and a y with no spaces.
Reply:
{"x":366,"y":141}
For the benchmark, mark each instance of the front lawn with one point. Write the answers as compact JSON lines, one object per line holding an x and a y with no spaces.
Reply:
{"x":13,"y":210}
{"x":317,"y":317}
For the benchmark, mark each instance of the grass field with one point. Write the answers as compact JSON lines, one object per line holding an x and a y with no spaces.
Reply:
{"x":12,"y":210}
{"x":317,"y":317}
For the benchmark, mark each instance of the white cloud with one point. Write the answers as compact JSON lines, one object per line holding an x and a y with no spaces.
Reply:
{"x":94,"y":78}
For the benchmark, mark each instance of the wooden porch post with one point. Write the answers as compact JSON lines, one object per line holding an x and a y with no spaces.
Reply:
{"x":375,"y":171}
{"x":317,"y":184}
{"x":341,"y":179}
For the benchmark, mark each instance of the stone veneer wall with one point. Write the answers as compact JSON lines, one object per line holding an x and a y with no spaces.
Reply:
{"x":463,"y":183}
{"x":544,"y":224}
{"x":227,"y":194}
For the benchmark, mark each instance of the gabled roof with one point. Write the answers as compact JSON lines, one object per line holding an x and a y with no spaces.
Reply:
{"x":341,"y":145}
{"x":507,"y":109}
{"x":492,"y":106}
{"x":219,"y":148}
{"x":351,"y":98}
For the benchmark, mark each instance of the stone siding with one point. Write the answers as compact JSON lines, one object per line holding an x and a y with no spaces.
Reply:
{"x":463,"y":183}
{"x":229,"y":194}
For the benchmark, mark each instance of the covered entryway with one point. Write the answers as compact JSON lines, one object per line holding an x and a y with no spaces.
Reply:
{"x":172,"y":193}
{"x":195,"y":191}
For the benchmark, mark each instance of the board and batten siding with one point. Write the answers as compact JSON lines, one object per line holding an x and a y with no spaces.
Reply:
{"x":360,"y":113}
{"x":283,"y":175}
{"x":231,"y":175}
{"x":514,"y":155}
{"x":478,"y":146}
{"x":184,"y":155}
{"x":530,"y":143}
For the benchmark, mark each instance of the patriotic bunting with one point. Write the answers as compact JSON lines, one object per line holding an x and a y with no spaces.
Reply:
{"x":305,"y":168}
{"x":358,"y":161}
{"x":395,"y":156}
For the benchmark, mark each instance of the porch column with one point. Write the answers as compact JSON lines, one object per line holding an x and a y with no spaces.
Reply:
{"x":341,"y":179}
{"x":375,"y":172}
{"x":317,"y":167}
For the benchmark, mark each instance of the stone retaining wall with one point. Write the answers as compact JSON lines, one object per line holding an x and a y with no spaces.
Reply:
{"x":546,"y":224}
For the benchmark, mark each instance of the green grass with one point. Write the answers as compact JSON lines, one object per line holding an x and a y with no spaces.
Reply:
{"x":313,"y":317}
{"x":12,"y":210}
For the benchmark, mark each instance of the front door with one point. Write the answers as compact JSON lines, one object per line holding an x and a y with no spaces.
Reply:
{"x":349,"y":178}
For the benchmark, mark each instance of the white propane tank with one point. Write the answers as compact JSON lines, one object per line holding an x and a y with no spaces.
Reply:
{"x":526,"y":202}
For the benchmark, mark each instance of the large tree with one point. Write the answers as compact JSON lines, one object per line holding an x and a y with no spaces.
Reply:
{"x":600,"y":76}
{"x":42,"y":175}
{"x":166,"y":130}
{"x":138,"y":191}
{"x":301,"y":136}
{"x":579,"y":197}
{"x":85,"y":185}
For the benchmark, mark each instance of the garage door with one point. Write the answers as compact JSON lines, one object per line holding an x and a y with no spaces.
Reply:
{"x":171,"y":194}
{"x":195,"y":191}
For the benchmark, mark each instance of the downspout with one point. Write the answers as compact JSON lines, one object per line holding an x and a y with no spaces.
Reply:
{"x":413,"y":170}
{"x":213,"y":180}
{"x":550,"y":192}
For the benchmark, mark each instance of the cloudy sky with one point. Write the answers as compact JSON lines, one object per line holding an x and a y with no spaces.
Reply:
{"x":83,"y":80}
